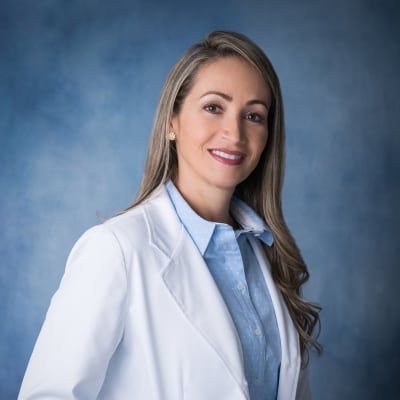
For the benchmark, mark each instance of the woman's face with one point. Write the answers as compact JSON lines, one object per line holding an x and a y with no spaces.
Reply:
{"x":233,"y":121}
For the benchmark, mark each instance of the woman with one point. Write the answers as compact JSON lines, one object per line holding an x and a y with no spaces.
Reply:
{"x":194,"y":291}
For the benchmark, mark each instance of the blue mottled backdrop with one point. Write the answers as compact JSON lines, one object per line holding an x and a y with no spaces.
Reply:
{"x":79,"y":83}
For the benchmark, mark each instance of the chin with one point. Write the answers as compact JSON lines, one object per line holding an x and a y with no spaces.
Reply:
{"x":225,"y":182}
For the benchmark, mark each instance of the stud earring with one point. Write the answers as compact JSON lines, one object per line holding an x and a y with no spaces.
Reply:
{"x":171,"y":135}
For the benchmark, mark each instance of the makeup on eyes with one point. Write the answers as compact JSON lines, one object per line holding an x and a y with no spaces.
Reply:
{"x":260,"y":117}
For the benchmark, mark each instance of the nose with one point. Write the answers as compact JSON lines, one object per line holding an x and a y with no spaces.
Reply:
{"x":233,"y":130}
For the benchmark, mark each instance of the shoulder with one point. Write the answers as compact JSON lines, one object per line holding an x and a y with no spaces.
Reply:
{"x":150,"y":227}
{"x":117,"y":234}
{"x":129,"y":226}
{"x":109,"y":245}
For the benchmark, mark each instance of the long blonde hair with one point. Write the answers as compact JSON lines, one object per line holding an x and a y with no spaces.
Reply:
{"x":261,"y":189}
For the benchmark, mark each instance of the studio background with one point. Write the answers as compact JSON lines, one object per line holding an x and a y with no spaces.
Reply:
{"x":79,"y":85}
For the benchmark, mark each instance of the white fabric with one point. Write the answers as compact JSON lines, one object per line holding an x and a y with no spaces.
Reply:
{"x":138,"y":316}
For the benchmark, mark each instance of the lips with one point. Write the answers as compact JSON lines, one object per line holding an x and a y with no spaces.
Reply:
{"x":231,"y":158}
{"x":233,"y":152}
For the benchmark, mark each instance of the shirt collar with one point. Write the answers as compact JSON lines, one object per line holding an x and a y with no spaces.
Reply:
{"x":201,"y":230}
{"x":250,"y":220}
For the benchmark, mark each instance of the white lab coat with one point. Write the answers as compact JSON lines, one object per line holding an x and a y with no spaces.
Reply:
{"x":138,"y":316}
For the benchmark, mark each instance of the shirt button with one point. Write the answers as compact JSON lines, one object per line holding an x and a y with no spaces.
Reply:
{"x":240,"y":286}
{"x":258,"y":380}
{"x":257,"y":331}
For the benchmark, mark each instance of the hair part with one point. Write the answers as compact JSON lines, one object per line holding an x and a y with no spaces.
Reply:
{"x":262,"y":189}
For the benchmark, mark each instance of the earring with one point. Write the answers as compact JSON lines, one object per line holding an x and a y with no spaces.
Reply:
{"x":171,"y":135}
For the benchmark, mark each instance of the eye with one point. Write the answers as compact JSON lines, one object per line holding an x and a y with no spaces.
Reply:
{"x":211,"y":105}
{"x":259,"y":118}
{"x":256,"y":118}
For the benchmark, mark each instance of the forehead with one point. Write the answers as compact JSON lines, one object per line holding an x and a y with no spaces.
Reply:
{"x":232,"y":75}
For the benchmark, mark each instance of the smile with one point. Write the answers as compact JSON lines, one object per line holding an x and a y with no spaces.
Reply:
{"x":226,"y":158}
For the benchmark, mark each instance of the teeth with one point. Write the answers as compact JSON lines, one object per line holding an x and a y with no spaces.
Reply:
{"x":226,"y":155}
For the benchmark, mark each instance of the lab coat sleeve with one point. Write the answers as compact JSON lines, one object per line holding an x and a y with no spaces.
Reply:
{"x":303,"y":386}
{"x":84,"y":322}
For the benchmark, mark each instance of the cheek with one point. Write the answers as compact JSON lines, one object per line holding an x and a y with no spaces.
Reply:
{"x":196,"y":132}
{"x":258,"y":144}
{"x":195,"y":139}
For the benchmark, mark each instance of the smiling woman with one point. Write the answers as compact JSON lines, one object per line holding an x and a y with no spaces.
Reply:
{"x":235,"y":135}
{"x":194,"y":290}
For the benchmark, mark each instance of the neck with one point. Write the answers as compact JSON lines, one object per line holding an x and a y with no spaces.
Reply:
{"x":210,"y":202}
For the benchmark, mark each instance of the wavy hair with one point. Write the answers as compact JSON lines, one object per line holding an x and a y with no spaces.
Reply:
{"x":261,"y":189}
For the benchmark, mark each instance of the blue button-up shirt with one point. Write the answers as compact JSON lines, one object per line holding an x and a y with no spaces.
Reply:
{"x":235,"y":269}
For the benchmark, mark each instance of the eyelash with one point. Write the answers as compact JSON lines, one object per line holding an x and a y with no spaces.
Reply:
{"x":260,"y":120}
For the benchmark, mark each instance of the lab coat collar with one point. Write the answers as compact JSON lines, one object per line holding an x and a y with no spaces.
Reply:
{"x":195,"y":292}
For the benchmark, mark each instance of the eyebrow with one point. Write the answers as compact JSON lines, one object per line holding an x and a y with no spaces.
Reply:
{"x":229,"y":98}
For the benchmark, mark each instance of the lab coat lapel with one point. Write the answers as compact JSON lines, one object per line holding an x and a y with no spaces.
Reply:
{"x":192,"y":286}
{"x":290,"y":362}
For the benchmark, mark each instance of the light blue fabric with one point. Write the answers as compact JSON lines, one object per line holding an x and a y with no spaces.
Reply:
{"x":232,"y":262}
